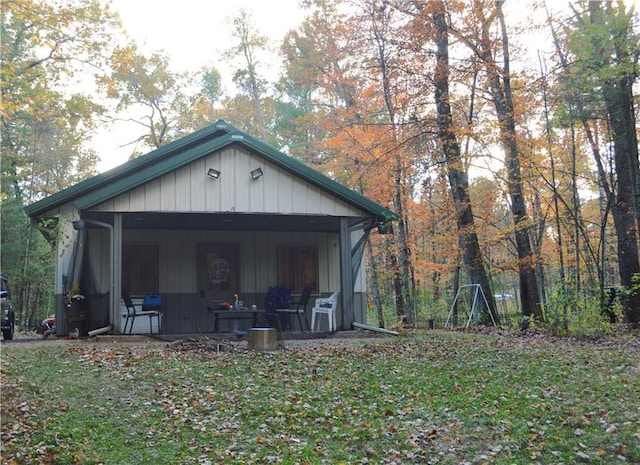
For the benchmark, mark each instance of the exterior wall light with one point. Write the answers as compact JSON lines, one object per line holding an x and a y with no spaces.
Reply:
{"x":255,"y":174}
{"x":212,"y":173}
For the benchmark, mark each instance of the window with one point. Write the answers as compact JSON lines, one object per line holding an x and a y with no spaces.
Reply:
{"x":297,"y":267}
{"x":140,"y":268}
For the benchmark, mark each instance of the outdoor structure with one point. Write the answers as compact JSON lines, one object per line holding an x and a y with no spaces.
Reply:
{"x":214,"y":214}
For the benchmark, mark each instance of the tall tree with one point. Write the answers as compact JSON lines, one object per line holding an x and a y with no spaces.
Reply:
{"x":383,"y":65}
{"x":48,"y":48}
{"x":611,"y":63}
{"x":205,"y":103}
{"x":150,"y":93}
{"x":249,"y":43}
{"x":299,"y":115}
{"x":458,"y":179}
{"x":338,"y":100}
{"x":574,"y":105}
{"x":45,"y":48}
{"x":499,"y":83}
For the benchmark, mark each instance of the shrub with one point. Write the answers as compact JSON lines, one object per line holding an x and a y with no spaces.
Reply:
{"x":568,"y":313}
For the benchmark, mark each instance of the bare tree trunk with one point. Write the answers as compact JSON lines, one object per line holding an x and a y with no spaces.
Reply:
{"x":624,"y":208}
{"x":500,"y":87}
{"x":575,"y":201}
{"x":618,"y":98}
{"x":25,"y":281}
{"x":458,"y":180}
{"x":455,"y":286}
{"x":434,"y":252}
{"x":554,"y":187}
{"x":397,"y":285}
{"x":404,"y":274}
{"x":402,"y":237}
{"x":537,"y":238}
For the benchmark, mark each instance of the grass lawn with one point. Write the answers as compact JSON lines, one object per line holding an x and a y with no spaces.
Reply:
{"x":440,"y":397}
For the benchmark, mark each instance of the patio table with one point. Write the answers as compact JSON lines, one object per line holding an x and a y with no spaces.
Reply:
{"x":234,"y":315}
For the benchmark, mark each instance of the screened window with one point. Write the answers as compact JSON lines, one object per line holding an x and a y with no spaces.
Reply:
{"x":297,"y":267}
{"x":140,"y":268}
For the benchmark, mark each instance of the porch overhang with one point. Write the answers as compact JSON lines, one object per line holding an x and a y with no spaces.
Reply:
{"x":226,"y":221}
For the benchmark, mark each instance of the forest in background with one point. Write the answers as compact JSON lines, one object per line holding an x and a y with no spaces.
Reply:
{"x":516,"y":174}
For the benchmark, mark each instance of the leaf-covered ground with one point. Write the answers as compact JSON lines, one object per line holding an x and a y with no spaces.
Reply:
{"x":446,"y":398}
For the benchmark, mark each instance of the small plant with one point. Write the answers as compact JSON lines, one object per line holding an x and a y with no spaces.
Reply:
{"x":528,"y":322}
{"x":628,"y":292}
{"x":569,"y":313}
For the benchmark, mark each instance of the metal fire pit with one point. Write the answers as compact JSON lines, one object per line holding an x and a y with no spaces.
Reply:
{"x":262,"y":339}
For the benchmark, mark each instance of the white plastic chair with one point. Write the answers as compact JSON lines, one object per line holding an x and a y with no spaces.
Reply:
{"x":325,"y":306}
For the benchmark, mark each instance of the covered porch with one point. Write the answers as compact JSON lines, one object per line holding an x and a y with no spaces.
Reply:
{"x":195,"y":260}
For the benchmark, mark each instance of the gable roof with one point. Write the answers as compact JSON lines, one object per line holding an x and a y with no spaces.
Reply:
{"x":104,"y":186}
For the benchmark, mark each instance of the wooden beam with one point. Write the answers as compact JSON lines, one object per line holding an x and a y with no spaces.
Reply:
{"x":374,"y":328}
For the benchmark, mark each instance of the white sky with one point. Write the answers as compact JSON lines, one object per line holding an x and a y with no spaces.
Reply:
{"x":193,"y":33}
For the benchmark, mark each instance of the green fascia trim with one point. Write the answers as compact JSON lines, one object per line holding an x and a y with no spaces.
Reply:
{"x":217,"y":129}
{"x":236,"y":137}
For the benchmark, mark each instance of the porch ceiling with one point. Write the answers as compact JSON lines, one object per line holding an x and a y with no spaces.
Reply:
{"x":222,"y":221}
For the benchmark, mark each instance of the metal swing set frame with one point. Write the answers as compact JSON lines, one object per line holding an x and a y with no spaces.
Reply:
{"x":477,"y":291}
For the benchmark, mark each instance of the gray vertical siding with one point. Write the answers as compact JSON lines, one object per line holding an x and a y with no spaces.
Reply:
{"x":189,"y":189}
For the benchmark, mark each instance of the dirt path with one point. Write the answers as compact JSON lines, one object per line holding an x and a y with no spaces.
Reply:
{"x":21,"y":340}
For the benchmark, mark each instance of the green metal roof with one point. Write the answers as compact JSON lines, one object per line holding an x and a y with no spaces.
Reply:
{"x":170,"y":157}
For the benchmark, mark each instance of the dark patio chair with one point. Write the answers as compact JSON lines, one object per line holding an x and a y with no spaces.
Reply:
{"x":271,"y":315}
{"x":299,"y":308}
{"x":150,"y":308}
